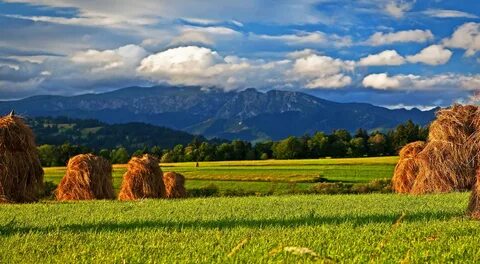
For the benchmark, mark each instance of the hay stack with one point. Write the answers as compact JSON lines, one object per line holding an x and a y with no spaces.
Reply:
{"x":407,"y":167}
{"x":455,"y":124}
{"x":88,"y":177}
{"x":445,"y":167}
{"x":174,"y":185}
{"x":21,"y":174}
{"x":449,"y":161}
{"x":143,"y":179}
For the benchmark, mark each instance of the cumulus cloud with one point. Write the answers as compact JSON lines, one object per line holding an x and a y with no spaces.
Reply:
{"x":192,"y":65}
{"x":301,"y":53}
{"x":432,"y":55}
{"x":398,"y":9}
{"x":323,"y":71}
{"x":381,"y":81}
{"x":387,"y":57}
{"x":438,"y":82}
{"x":302,"y":38}
{"x":466,"y":37}
{"x":417,"y":35}
{"x":121,"y":59}
{"x":446,"y":13}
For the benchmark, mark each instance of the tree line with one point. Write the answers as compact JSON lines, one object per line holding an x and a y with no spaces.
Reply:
{"x":340,"y":143}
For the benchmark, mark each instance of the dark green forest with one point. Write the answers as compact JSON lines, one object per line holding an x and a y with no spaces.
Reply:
{"x":61,"y":138}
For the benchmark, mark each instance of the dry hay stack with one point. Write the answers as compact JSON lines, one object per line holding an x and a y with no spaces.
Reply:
{"x":88,"y":177}
{"x":21,"y":174}
{"x":143,"y":179}
{"x":407,"y":167}
{"x":449,"y":160}
{"x":455,"y":124}
{"x":445,"y":167}
{"x":174,"y":185}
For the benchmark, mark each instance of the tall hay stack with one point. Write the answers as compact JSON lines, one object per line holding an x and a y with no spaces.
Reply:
{"x":143,"y":179}
{"x":88,"y":177}
{"x":449,"y":160}
{"x":174,"y":185}
{"x":407,"y":167}
{"x":21,"y":173}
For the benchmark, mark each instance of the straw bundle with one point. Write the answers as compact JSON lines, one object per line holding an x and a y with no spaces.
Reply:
{"x":407,"y":167}
{"x":174,"y":185}
{"x":21,"y":174}
{"x":448,"y":161}
{"x":455,"y":124}
{"x":87,"y":177}
{"x":445,"y":167}
{"x":143,"y":179}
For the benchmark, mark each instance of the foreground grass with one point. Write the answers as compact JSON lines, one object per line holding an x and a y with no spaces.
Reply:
{"x":343,"y":228}
{"x":265,"y":176}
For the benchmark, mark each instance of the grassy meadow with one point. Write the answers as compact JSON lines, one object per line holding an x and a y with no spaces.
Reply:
{"x":378,"y":228}
{"x":270,"y":176}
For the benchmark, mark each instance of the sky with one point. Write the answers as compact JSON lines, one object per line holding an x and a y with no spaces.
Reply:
{"x":393,"y":53}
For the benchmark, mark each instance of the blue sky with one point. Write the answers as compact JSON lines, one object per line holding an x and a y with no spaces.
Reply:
{"x":385,"y":52}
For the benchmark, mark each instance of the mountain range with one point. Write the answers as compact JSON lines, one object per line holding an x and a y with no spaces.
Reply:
{"x":249,"y":114}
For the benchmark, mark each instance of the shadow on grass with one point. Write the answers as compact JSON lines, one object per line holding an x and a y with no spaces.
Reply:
{"x":11,"y":228}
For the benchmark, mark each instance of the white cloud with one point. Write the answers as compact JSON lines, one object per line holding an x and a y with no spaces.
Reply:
{"x":122,"y":59}
{"x":417,"y":35}
{"x":398,"y":9}
{"x":467,"y":37}
{"x":471,"y":82}
{"x":438,"y":82}
{"x":446,"y":13}
{"x":302,"y":38}
{"x":201,"y":66}
{"x":203,"y":35}
{"x":381,"y":81}
{"x":104,"y":21}
{"x":387,"y":57}
{"x":146,"y":11}
{"x":301,"y":53}
{"x":323,"y":71}
{"x":432,"y":55}
{"x":330,"y":81}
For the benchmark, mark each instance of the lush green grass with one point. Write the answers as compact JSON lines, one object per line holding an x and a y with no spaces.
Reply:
{"x":379,"y":228}
{"x":257,"y":176}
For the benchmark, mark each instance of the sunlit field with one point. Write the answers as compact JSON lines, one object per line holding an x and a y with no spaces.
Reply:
{"x":374,"y":228}
{"x":277,"y":176}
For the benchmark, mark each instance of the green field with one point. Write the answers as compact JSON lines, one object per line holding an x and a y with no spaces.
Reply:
{"x":378,"y":228}
{"x":273,"y":176}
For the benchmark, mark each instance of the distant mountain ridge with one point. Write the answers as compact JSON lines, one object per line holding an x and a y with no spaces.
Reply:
{"x":248,"y":114}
